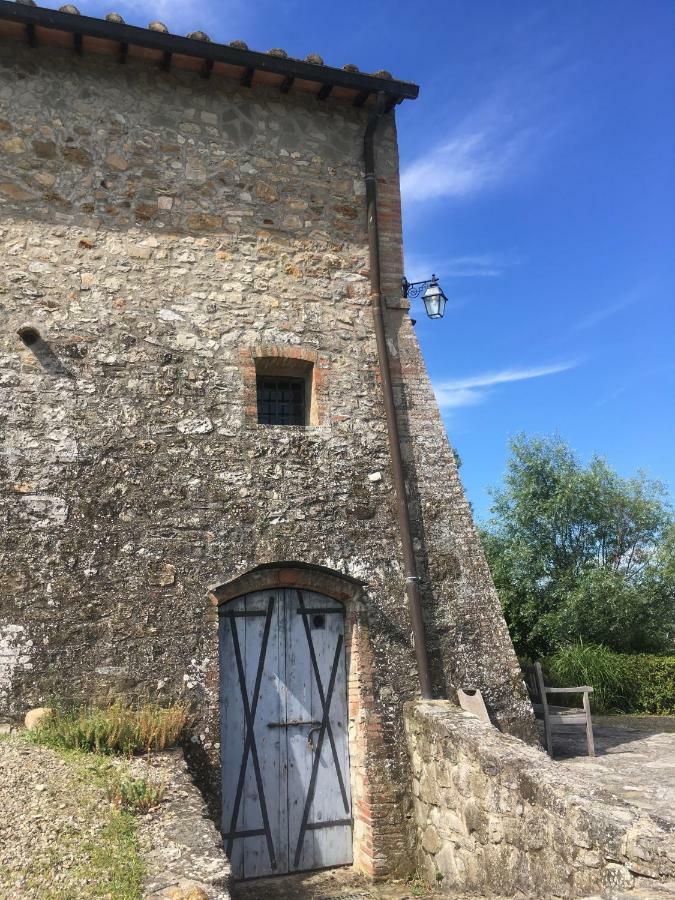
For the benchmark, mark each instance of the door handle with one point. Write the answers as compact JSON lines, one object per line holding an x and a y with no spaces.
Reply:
{"x":293,"y":723}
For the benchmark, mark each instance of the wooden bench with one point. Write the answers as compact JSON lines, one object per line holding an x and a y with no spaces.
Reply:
{"x":558,"y":715}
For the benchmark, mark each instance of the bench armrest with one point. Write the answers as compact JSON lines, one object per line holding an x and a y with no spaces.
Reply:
{"x":584,"y":689}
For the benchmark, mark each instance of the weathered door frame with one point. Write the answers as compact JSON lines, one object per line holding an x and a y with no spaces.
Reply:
{"x":365,"y":740}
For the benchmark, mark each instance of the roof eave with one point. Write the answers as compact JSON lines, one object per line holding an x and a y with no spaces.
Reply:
{"x":131,"y":35}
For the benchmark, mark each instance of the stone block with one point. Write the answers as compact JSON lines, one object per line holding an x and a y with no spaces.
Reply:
{"x":35,"y":717}
{"x":431,"y":841}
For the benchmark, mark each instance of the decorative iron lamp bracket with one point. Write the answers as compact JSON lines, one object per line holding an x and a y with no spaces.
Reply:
{"x":432,"y":295}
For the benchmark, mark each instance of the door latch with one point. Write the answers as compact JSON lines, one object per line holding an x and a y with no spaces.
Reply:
{"x":293,"y":723}
{"x":310,"y":742}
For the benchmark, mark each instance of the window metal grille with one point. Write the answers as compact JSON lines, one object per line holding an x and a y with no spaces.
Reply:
{"x":281,"y":400}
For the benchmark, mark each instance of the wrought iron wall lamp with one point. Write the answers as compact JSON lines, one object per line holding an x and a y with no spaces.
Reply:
{"x":433,"y":297}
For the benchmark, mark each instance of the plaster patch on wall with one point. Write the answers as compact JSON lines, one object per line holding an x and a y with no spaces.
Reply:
{"x":168,"y":315}
{"x":15,"y":649}
{"x":196,"y":673}
{"x":360,"y":569}
{"x":44,"y":510}
{"x":195,"y":426}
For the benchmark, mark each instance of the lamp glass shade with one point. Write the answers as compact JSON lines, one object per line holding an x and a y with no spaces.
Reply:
{"x":434,"y":301}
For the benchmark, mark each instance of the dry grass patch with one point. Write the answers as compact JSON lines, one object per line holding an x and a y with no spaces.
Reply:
{"x":119,"y":728}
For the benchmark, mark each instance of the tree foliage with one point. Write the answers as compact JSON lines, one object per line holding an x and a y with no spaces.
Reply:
{"x":579,"y":553}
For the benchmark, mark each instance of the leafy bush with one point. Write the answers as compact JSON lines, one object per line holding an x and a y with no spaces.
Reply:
{"x":652,"y":678}
{"x":116,"y":729}
{"x":637,"y":683}
{"x":579,"y":553}
{"x":135,"y":794}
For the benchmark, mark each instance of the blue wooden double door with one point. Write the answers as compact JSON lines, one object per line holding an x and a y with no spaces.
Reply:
{"x":286,"y":803}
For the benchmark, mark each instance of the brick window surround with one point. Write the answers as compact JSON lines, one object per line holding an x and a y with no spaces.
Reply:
{"x":290,"y":362}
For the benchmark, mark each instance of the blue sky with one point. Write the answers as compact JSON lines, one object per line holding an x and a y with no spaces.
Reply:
{"x":538,"y":168}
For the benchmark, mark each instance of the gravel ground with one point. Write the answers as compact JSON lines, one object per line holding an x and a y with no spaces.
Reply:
{"x":52,"y":819}
{"x":62,"y":839}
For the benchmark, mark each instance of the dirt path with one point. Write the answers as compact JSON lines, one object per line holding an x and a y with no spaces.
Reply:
{"x":334,"y":884}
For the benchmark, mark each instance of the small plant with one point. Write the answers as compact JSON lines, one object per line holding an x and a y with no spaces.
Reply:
{"x":136,"y":795}
{"x":161,"y":727}
{"x":118,"y":728}
{"x":418,"y":885}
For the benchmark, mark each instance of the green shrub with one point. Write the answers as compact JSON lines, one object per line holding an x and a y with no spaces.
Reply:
{"x":621,"y":682}
{"x":652,"y":678}
{"x":116,"y":729}
{"x":579,"y":553}
{"x":135,"y":794}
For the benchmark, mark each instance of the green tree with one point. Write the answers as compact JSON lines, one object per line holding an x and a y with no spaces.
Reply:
{"x":579,"y":553}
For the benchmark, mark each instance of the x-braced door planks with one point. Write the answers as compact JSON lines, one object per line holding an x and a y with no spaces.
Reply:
{"x":284,"y":739}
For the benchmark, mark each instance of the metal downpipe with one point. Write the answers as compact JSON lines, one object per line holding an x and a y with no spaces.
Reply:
{"x":403,"y":513}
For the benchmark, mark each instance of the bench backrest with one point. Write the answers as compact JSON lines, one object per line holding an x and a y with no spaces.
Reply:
{"x":534,"y":681}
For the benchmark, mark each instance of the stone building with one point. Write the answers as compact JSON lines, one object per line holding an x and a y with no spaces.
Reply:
{"x":197,"y":452}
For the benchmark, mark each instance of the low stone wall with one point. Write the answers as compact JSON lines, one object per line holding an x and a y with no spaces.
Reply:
{"x":496,"y":816}
{"x":182,"y":848}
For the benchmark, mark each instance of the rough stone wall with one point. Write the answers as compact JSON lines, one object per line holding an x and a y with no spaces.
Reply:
{"x":468,"y":641}
{"x":161,"y":232}
{"x":495,"y":816}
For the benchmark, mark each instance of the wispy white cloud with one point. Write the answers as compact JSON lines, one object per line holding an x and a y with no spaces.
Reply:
{"x":474,"y":156}
{"x":486,"y":265}
{"x":474,"y":389}
{"x":182,"y":16}
{"x":501,"y":139}
{"x":596,"y":316}
{"x":482,"y":265}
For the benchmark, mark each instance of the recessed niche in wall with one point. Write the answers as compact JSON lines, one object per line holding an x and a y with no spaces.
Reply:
{"x":284,"y":391}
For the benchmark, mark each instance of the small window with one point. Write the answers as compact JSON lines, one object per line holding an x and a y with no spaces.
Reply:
{"x":281,"y":400}
{"x":285,"y":391}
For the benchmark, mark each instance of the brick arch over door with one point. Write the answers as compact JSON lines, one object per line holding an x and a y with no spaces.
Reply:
{"x":292,"y":574}
{"x":364,"y":734}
